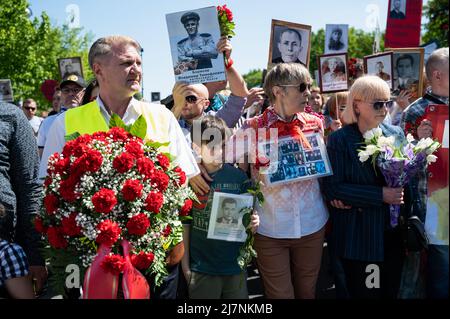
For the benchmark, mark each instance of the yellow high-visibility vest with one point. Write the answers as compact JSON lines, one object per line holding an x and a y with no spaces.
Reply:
{"x":87,"y":119}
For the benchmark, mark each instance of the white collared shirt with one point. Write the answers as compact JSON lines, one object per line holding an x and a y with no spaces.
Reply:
{"x":178,"y":146}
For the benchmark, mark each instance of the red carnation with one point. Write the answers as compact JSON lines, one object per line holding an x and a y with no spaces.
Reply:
{"x":160,"y":179}
{"x":99,"y":136}
{"x":142,"y":260}
{"x":80,"y":148}
{"x":181,"y":175}
{"x":69,"y":225}
{"x":138,"y":225}
{"x":163,"y":161}
{"x":68,"y":148}
{"x":109,"y":233}
{"x":123,"y":162}
{"x":48,"y":181}
{"x":118,"y":134}
{"x":145,"y":167}
{"x":135,"y":149}
{"x":185,"y":210}
{"x":51,"y":203}
{"x":67,"y":189}
{"x":56,"y":238}
{"x":166,"y":232}
{"x":61,"y":166}
{"x":104,"y":200}
{"x":113,"y":264}
{"x":132,"y":189}
{"x":154,"y":202}
{"x":39,"y":225}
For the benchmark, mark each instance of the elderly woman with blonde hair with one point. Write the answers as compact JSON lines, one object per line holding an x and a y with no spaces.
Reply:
{"x":361,"y":235}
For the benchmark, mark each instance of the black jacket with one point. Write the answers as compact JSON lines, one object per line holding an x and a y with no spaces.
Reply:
{"x":20,"y":189}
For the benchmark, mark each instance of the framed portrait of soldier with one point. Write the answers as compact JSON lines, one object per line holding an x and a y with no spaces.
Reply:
{"x":397,"y":9}
{"x":69,"y":66}
{"x":380,"y":65}
{"x":333,"y":72}
{"x":407,"y":70}
{"x":336,"y":38}
{"x":6,"y":92}
{"x":227,"y":211}
{"x":289,"y":42}
{"x":193,"y":37}
{"x":155,"y":96}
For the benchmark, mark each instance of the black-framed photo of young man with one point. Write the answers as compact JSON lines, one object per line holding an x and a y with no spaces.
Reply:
{"x":380,"y":65}
{"x":69,"y":66}
{"x":6,"y":92}
{"x":336,"y":38}
{"x":227,"y":210}
{"x":193,"y":37}
{"x":333,"y":72}
{"x":408,"y":71}
{"x":289,"y":42}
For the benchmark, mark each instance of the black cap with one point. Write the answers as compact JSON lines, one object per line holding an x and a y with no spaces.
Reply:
{"x":74,"y":79}
{"x":189,"y":16}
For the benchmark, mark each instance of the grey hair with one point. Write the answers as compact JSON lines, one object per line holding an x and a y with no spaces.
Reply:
{"x":103,"y":46}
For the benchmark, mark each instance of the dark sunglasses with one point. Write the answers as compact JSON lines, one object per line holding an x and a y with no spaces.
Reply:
{"x":193,"y":99}
{"x":301,"y":88}
{"x":29,"y":108}
{"x":378,"y":105}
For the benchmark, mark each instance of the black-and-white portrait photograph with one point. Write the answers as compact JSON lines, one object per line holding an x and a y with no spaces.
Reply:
{"x":397,"y":9}
{"x":193,"y":36}
{"x":226,"y":216}
{"x":380,"y":65}
{"x":408,"y":71}
{"x":336,"y":38}
{"x":156,"y":96}
{"x":296,"y":162}
{"x":333,"y":72}
{"x":289,"y":42}
{"x":6,"y":92}
{"x":70,"y":66}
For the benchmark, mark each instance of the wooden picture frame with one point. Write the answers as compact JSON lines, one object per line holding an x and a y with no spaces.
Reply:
{"x":383,"y":57}
{"x":327,"y":84}
{"x":278,"y":27}
{"x":415,"y":80}
{"x":69,"y":66}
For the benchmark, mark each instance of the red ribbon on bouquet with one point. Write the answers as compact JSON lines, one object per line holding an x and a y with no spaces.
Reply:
{"x":102,"y":284}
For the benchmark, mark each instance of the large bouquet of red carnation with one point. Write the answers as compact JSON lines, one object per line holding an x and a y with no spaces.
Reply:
{"x":113,"y":187}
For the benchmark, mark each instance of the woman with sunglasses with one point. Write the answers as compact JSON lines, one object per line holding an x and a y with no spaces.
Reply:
{"x":365,"y":248}
{"x":289,"y":242}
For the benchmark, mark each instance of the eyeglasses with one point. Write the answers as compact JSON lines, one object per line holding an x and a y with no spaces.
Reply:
{"x":29,"y":108}
{"x":378,"y":105}
{"x":193,"y":99}
{"x":301,"y":88}
{"x":68,"y":90}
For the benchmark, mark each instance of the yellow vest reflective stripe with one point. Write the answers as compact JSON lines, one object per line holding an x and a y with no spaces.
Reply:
{"x":87,"y":119}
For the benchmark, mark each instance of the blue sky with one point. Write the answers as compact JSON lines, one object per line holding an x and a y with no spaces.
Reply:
{"x":145,"y":21}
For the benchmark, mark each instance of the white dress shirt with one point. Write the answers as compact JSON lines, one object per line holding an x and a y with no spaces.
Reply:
{"x":178,"y":146}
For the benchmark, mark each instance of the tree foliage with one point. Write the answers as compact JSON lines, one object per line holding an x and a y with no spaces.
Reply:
{"x":253,"y":78}
{"x":30,"y":50}
{"x":437,"y":26}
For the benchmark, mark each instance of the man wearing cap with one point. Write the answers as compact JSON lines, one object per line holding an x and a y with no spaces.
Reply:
{"x":71,"y":93}
{"x":200,"y":47}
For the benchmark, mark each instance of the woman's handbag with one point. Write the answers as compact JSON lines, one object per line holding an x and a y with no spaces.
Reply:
{"x":414,"y":235}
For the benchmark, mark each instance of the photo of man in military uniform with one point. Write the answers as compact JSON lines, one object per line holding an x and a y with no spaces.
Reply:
{"x":199,"y":48}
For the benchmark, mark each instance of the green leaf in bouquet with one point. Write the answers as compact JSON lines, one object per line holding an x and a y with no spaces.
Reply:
{"x":185,"y":218}
{"x":139,"y":127}
{"x":156,"y":145}
{"x":246,"y":219}
{"x":116,"y":121}
{"x":72,"y":136}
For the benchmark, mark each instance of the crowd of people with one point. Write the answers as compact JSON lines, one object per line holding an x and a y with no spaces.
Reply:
{"x":348,"y":209}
